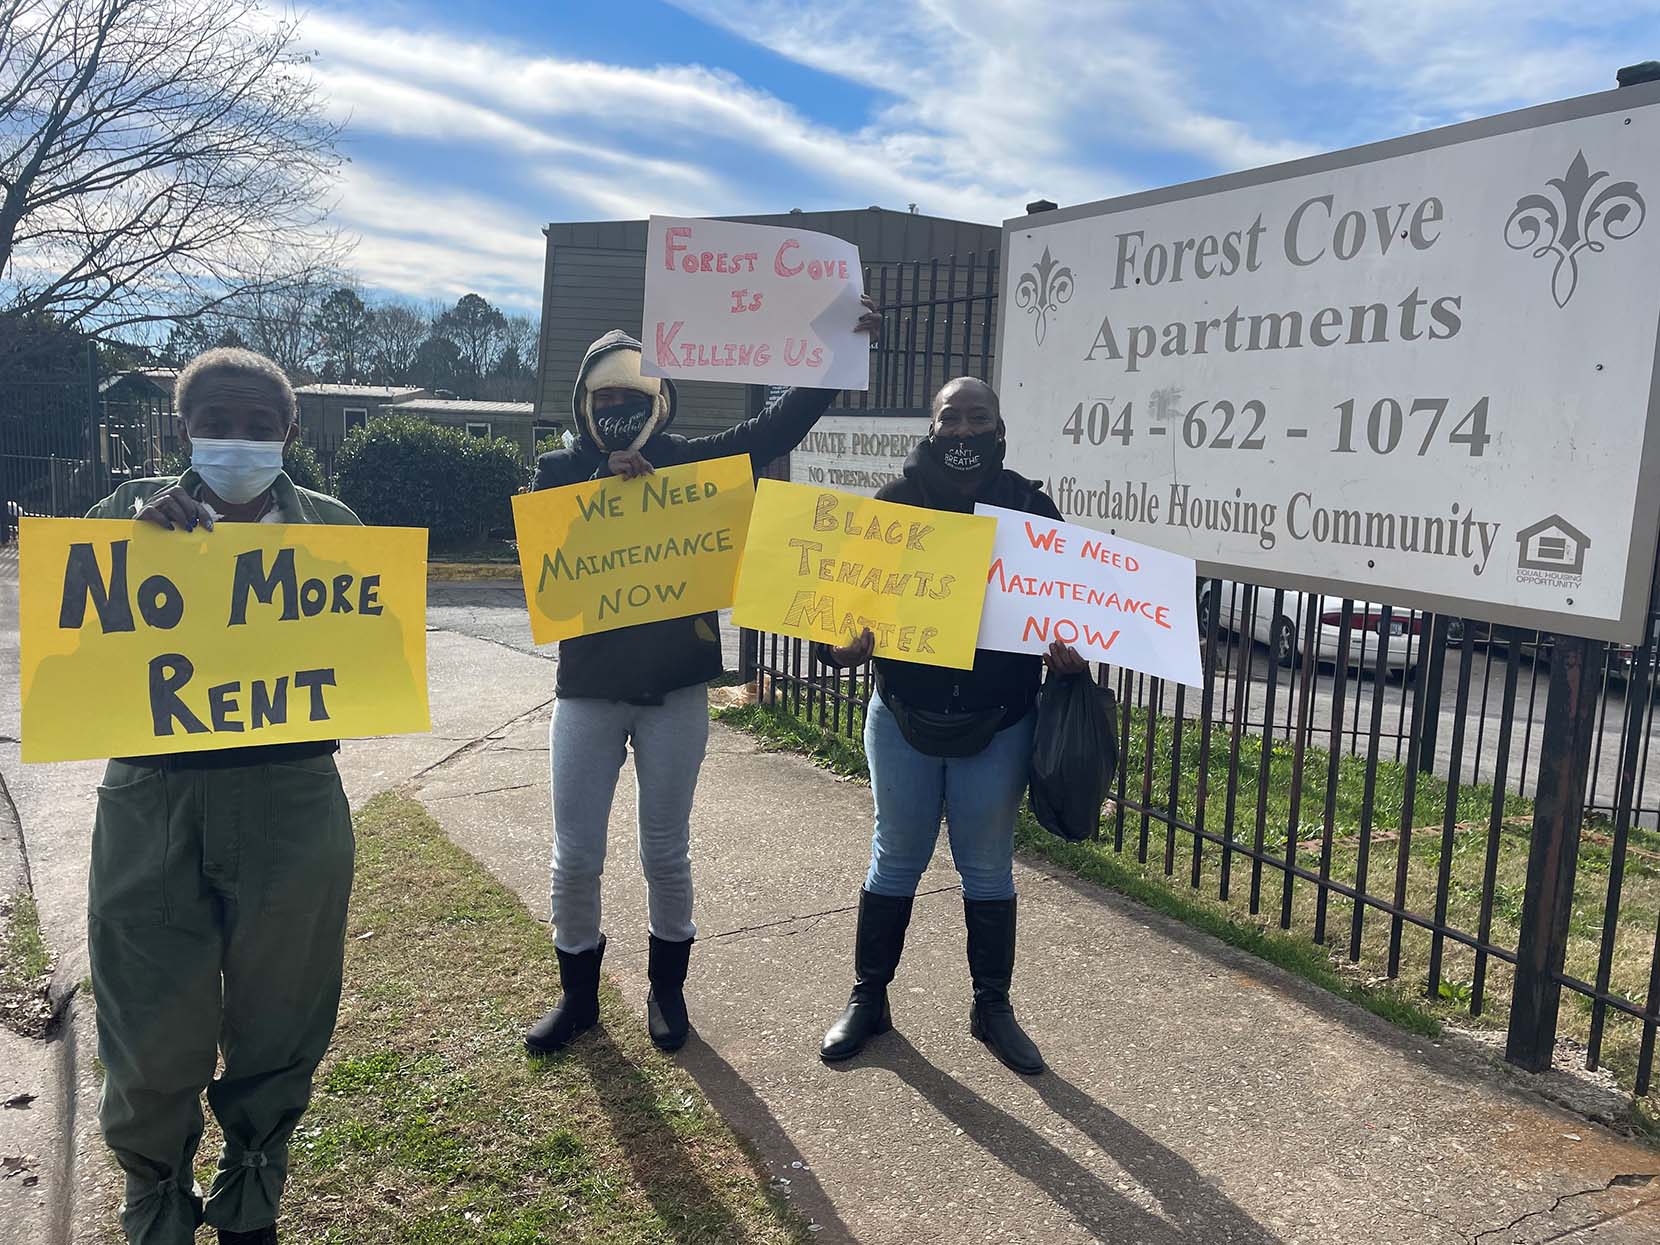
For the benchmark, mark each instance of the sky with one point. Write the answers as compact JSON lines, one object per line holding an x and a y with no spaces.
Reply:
{"x":468,"y":127}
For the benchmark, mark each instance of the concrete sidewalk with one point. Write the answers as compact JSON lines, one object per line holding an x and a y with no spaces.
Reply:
{"x":1195,"y":1094}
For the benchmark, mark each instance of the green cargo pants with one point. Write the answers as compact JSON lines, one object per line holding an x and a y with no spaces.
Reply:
{"x":216,"y":925}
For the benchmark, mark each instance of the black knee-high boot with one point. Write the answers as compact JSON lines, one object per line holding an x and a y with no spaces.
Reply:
{"x":991,"y":926}
{"x":877,"y":945}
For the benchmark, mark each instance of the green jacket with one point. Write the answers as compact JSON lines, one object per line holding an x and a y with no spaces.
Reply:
{"x":296,"y":504}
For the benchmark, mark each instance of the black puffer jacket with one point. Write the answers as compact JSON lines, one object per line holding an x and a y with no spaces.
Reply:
{"x":642,"y":664}
{"x":1007,"y":679}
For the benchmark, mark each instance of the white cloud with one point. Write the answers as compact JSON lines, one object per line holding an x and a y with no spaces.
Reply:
{"x":974,"y":107}
{"x":427,"y":242}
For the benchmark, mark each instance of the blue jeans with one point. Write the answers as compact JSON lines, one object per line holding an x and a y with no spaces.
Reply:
{"x":978,"y":795}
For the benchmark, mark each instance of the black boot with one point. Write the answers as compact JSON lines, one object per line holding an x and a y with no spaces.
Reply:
{"x":991,"y":926}
{"x":578,"y":1006}
{"x":259,"y":1236}
{"x":876,"y":949}
{"x":666,"y":1017}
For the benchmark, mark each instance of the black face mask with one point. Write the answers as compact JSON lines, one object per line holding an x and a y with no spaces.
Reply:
{"x":968,"y":459}
{"x":619,"y":425}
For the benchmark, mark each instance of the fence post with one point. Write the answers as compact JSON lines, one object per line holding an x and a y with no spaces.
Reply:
{"x":748,"y":643}
{"x":1434,"y":666}
{"x":1558,"y":811}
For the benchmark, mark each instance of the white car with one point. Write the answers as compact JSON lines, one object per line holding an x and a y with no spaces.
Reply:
{"x":1283,"y":632}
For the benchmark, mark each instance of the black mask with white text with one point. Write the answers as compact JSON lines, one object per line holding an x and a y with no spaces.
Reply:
{"x":969,"y":459}
{"x":619,"y":425}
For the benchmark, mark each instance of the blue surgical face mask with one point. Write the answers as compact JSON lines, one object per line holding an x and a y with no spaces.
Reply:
{"x":237,"y":471}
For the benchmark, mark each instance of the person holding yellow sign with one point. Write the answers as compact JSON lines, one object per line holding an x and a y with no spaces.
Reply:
{"x":216,"y":911}
{"x":957,"y":742}
{"x":645,"y":686}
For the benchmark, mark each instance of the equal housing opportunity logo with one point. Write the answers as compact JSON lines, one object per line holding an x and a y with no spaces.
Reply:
{"x":1552,"y":553}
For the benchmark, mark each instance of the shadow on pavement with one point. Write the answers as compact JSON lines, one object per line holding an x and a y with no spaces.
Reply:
{"x":741,"y":1107}
{"x":693,"y":1211}
{"x":1194,"y":1210}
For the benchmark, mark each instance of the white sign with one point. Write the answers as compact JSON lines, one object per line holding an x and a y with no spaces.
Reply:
{"x":1419,"y":372}
{"x":753,"y":304}
{"x":1111,"y":599}
{"x":856,"y":453}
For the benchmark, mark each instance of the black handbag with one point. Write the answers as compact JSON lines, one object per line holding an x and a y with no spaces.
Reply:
{"x":945,"y":734}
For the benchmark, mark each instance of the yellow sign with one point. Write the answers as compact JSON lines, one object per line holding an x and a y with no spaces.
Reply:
{"x":825,"y":565}
{"x":613,"y":553}
{"x":137,"y":641}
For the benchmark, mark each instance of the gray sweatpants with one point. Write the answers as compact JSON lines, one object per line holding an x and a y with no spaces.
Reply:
{"x":588,"y":742}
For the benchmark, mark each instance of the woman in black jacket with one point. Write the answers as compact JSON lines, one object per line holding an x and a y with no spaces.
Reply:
{"x":957,"y":741}
{"x":644,"y":686}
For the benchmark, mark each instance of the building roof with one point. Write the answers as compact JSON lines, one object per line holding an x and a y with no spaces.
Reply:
{"x":463,"y":406}
{"x":795,"y":215}
{"x":162,"y":378}
{"x":359,"y":391}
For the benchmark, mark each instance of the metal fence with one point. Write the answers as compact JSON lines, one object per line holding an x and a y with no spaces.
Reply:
{"x":50,"y":462}
{"x":1401,"y":788}
{"x":939,"y":320}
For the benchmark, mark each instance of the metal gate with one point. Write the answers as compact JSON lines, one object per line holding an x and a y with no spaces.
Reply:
{"x":50,"y":459}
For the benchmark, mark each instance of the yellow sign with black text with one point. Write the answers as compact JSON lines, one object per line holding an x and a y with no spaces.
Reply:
{"x":825,"y":565}
{"x":613,"y":553}
{"x":138,"y":641}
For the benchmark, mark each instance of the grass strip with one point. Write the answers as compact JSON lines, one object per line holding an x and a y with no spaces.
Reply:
{"x":25,"y":967}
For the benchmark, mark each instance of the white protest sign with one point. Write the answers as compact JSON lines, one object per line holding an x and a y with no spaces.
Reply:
{"x":1113,"y":600}
{"x":753,"y":304}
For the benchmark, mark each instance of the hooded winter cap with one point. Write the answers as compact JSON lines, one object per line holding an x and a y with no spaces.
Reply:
{"x":613,"y":362}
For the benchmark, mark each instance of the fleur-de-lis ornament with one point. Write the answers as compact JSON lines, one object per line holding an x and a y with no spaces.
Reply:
{"x":1041,"y":289}
{"x":1574,"y":221}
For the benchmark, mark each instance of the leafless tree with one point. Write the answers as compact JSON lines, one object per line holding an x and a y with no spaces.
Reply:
{"x":524,"y":334}
{"x":158,"y":159}
{"x":396,"y":331}
{"x":277,"y":315}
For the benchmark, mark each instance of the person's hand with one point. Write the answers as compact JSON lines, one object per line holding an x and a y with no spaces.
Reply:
{"x":175,"y":510}
{"x":871,"y":321}
{"x":1063,"y":659}
{"x":629,"y":463}
{"x":858,"y":652}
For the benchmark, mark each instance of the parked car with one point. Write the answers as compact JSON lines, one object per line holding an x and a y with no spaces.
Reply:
{"x":1283,"y":632}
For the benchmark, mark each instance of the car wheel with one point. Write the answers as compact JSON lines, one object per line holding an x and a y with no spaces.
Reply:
{"x":1285,"y":642}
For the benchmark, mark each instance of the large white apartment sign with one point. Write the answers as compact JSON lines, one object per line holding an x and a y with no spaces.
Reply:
{"x":1421,"y":371}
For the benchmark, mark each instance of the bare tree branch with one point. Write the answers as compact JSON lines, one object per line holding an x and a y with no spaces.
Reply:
{"x":158,"y":159}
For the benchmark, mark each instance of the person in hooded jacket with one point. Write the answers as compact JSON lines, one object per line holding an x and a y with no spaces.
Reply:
{"x":952,"y":741}
{"x":645,"y":686}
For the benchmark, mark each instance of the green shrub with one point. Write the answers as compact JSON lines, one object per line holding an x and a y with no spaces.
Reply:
{"x":401,"y":471}
{"x":298,"y":461}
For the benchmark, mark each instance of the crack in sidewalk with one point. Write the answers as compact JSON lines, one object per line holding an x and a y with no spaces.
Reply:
{"x":467,"y":795}
{"x":1621,"y":1181}
{"x":797,"y":919}
{"x":478,"y":742}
